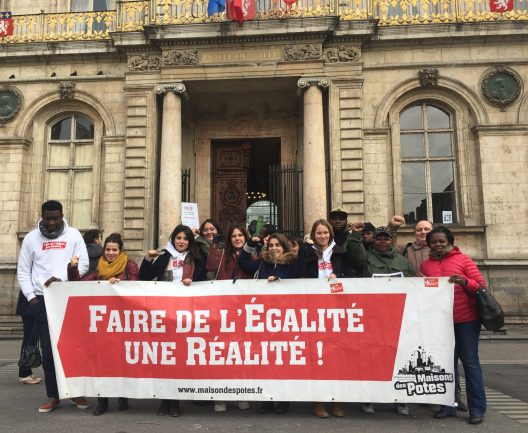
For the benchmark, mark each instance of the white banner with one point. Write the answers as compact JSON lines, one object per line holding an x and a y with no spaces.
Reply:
{"x":358,"y":340}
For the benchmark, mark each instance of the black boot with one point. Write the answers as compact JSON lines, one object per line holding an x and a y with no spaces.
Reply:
{"x":163,"y":408}
{"x":282,"y":407}
{"x":174,"y":408}
{"x":265,"y":407}
{"x":102,"y":406}
{"x":122,"y":403}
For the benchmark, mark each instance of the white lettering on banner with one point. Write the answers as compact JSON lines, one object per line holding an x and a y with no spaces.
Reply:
{"x":94,"y":317}
{"x":149,"y":351}
{"x":202,"y":352}
{"x":226,"y":326}
{"x":274,"y":322}
{"x":121,"y":321}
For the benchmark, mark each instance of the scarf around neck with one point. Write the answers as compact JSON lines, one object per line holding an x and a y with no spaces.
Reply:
{"x":442,"y":253}
{"x":324,"y":265}
{"x":51,"y":235}
{"x":108,"y":270}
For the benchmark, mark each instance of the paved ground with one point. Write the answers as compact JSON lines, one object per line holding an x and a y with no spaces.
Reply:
{"x":505,"y":364}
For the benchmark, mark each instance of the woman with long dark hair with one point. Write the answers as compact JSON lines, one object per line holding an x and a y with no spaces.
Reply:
{"x":208,"y":231}
{"x":223,"y":260}
{"x":274,"y":262}
{"x":446,"y":260}
{"x":113,"y":266}
{"x":179,"y":261}
{"x":223,"y":264}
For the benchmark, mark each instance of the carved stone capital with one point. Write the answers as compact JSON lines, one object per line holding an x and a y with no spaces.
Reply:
{"x":180,"y":57}
{"x":428,"y":77}
{"x":178,"y":88}
{"x":66,"y":90}
{"x":302,"y":52}
{"x":305,"y":82}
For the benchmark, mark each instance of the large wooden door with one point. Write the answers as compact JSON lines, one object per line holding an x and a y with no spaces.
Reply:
{"x":230,"y":164}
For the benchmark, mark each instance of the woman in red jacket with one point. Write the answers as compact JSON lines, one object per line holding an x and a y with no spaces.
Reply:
{"x":113,"y":266}
{"x":446,"y":260}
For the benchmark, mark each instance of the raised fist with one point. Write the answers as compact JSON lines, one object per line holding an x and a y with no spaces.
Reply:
{"x":396,"y":221}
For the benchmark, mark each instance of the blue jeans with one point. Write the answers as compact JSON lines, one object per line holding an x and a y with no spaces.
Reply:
{"x":466,"y":348}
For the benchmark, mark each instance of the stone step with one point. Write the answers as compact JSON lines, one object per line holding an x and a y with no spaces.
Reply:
{"x":10,"y":327}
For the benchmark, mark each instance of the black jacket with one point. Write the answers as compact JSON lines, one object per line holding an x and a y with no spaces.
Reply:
{"x":306,"y":265}
{"x":155,"y":269}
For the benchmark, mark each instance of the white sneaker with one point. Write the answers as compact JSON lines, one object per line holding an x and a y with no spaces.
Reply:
{"x":401,"y":409}
{"x":368,"y":408}
{"x":220,"y":406}
{"x":243,"y":405}
{"x":30,"y":380}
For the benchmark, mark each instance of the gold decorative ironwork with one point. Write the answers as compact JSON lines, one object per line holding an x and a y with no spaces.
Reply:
{"x":132,"y":16}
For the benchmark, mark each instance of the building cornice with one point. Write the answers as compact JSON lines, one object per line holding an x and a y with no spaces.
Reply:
{"x":14,"y":142}
{"x":506,"y":129}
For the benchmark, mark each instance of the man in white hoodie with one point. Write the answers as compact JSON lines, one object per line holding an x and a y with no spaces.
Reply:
{"x":43,"y":259}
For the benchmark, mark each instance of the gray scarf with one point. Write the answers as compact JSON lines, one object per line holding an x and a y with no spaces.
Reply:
{"x":51,"y":235}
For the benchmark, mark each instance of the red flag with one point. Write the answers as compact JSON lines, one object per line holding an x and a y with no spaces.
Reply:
{"x":241,"y":10}
{"x":6,"y":24}
{"x":501,"y":5}
{"x":290,"y":2}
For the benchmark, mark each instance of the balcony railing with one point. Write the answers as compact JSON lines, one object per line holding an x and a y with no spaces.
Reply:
{"x":132,"y":16}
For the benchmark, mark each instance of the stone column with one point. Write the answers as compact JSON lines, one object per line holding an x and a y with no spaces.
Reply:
{"x":170,"y":160}
{"x":314,"y":168}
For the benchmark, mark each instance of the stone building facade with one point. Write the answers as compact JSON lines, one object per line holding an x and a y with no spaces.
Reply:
{"x":419,"y":110}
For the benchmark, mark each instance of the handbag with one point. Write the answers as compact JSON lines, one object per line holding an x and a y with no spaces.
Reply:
{"x":30,"y":353}
{"x":489,"y":310}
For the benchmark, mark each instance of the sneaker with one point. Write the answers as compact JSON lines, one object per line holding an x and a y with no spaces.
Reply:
{"x":243,"y":405}
{"x":51,"y":404}
{"x":220,"y":406}
{"x":368,"y":408}
{"x":80,"y":402}
{"x":30,"y":380}
{"x":401,"y":409}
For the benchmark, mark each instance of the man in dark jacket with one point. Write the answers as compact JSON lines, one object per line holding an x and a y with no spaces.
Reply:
{"x":338,"y":219}
{"x":381,"y":258}
{"x":92,"y":239}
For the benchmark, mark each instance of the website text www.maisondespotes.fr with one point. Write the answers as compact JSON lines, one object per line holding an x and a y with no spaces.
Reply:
{"x":221,"y":390}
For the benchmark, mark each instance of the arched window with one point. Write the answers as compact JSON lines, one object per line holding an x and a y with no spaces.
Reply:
{"x":428,"y":164}
{"x":69,"y":168}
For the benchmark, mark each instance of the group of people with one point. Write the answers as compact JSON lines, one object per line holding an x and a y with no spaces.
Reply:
{"x":333,"y":249}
